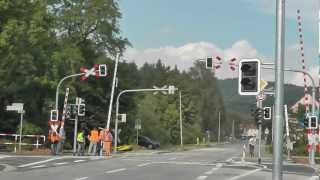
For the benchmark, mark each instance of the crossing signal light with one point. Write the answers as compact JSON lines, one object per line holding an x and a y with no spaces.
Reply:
{"x":313,"y":120}
{"x":249,"y":77}
{"x":54,"y":115}
{"x":209,"y":63}
{"x":103,"y":70}
{"x":267,"y":113}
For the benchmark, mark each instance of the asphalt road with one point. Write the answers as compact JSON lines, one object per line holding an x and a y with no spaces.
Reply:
{"x":217,"y":163}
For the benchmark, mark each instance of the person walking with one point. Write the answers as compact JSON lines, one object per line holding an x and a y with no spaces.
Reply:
{"x":252,"y":142}
{"x":107,"y":138}
{"x":81,"y":143}
{"x":94,"y":139}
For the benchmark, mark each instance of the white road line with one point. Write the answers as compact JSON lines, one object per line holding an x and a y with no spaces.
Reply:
{"x":244,"y":174}
{"x":218,"y":166}
{"x":144,"y":164}
{"x":61,"y":163}
{"x":116,"y":170}
{"x":201,"y":177}
{"x":39,"y":162}
{"x":40,"y":166}
{"x":174,"y":158}
{"x":81,"y":178}
{"x":81,"y":160}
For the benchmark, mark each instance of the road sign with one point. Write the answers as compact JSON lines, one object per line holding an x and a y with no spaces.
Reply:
{"x":263,"y":84}
{"x":15,"y":107}
{"x":261,"y":96}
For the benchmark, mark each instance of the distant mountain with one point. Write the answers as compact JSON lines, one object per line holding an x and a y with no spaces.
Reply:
{"x":234,"y":103}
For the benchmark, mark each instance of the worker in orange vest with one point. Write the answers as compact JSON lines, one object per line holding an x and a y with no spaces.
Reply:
{"x":94,"y":139}
{"x":107,"y":138}
{"x":54,"y":139}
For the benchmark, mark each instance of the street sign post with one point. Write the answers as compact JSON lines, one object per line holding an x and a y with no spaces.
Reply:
{"x":19,"y":108}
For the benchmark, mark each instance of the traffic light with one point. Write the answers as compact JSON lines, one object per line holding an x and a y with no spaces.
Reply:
{"x":267,"y":113}
{"x":313,"y":122}
{"x":54,"y":115}
{"x":81,"y":107}
{"x":171,"y":89}
{"x":306,"y":122}
{"x":209,"y":63}
{"x":103,"y":70}
{"x":68,"y":112}
{"x":123,"y":118}
{"x":249,"y":77}
{"x":258,"y":115}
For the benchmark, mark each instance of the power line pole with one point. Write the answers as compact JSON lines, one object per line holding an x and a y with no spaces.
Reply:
{"x":279,"y":75}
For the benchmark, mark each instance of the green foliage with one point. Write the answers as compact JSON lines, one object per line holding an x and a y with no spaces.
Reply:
{"x":41,"y":41}
{"x":29,"y":129}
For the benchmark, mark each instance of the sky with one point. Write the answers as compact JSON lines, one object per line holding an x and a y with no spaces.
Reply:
{"x":181,"y":31}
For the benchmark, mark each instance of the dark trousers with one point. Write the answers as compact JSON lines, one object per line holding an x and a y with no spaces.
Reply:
{"x":54,"y":148}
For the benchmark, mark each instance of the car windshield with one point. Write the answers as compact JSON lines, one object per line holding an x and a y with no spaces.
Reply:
{"x":159,"y":89}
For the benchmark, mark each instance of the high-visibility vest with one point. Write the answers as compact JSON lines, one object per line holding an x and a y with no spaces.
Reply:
{"x":94,"y":136}
{"x":54,"y":137}
{"x":80,"y":137}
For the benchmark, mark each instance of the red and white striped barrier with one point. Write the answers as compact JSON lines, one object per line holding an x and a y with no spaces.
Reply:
{"x":301,"y":43}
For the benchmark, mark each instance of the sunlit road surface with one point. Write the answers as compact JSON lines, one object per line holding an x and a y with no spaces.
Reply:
{"x":217,"y":163}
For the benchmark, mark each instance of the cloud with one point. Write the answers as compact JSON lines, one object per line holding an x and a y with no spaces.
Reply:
{"x":185,"y":56}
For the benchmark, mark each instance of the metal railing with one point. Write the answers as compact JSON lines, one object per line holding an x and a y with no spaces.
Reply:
{"x":39,"y":140}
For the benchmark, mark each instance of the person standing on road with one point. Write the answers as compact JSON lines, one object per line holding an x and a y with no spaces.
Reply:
{"x":252,"y":142}
{"x":54,"y":139}
{"x":107,"y":138}
{"x":94,"y":139}
{"x":81,"y":143}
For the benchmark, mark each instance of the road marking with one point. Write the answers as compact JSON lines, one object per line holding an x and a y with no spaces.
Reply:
{"x":81,"y":160}
{"x":40,"y":166}
{"x":218,"y":166}
{"x":81,"y":178}
{"x":39,"y":162}
{"x":245,"y":174}
{"x":174,"y":158}
{"x":61,"y":163}
{"x":314,"y":178}
{"x":116,"y":170}
{"x":201,"y":177}
{"x":144,"y":164}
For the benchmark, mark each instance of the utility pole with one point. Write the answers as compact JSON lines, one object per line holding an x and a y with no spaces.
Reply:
{"x":279,"y":86}
{"x":181,"y":134}
{"x":219,"y":129}
{"x":21,"y":126}
{"x":112,"y":90}
{"x":232,"y":133}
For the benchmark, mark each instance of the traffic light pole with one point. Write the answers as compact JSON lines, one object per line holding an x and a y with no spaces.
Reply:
{"x":259,"y":105}
{"x":313,"y":90}
{"x":279,"y":90}
{"x":58,"y":86}
{"x":117,"y":108}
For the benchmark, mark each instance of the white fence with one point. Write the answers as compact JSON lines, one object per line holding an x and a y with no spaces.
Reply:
{"x":37,"y":140}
